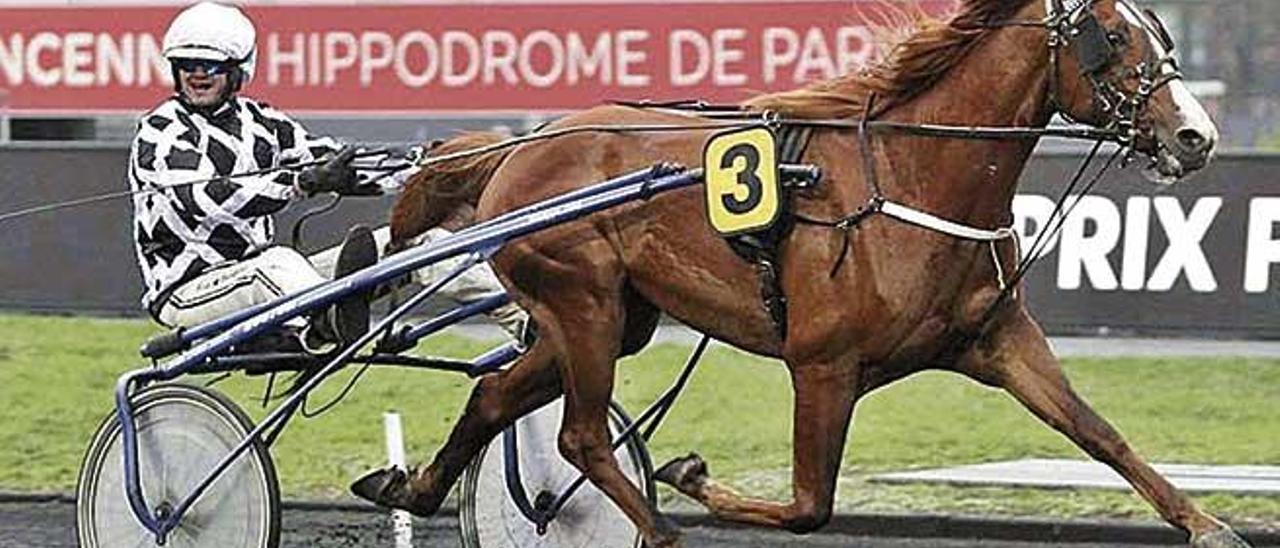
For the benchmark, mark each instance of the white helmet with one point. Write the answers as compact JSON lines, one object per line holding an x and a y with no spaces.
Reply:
{"x":213,"y":31}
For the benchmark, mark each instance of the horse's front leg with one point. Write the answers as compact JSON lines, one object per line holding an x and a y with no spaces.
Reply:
{"x":497,"y":400}
{"x":824,"y":398}
{"x":1016,"y":357}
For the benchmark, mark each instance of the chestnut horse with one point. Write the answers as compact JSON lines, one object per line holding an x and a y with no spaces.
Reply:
{"x":905,"y":298}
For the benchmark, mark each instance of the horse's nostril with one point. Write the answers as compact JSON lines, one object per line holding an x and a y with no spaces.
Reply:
{"x":1192,"y":140}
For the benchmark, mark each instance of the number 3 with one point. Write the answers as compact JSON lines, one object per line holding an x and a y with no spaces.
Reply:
{"x":747,"y":178}
{"x":741,"y":174}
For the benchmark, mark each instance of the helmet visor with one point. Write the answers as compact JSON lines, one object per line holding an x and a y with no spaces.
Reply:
{"x":210,"y":67}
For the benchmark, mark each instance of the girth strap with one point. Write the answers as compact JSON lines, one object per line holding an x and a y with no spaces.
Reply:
{"x":761,"y":248}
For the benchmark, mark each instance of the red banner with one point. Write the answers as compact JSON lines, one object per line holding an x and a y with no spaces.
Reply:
{"x":449,"y":57}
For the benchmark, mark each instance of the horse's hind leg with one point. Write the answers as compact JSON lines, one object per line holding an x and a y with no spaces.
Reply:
{"x":497,"y":400}
{"x":1016,"y":357}
{"x":825,"y":395}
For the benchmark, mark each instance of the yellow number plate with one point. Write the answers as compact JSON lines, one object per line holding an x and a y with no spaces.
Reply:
{"x":741,"y":173}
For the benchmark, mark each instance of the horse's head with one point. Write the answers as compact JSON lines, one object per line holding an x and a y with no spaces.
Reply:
{"x":1114,"y":66}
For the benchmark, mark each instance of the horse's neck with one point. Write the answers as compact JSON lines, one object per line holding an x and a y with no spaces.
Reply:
{"x":1003,"y":82}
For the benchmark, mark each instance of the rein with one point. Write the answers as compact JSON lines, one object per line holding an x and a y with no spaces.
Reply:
{"x":89,"y":200}
{"x":739,"y":120}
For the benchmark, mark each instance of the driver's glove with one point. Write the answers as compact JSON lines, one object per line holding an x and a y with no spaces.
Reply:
{"x":335,"y":175}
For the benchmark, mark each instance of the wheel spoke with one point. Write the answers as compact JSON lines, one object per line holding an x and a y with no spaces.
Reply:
{"x":183,"y":432}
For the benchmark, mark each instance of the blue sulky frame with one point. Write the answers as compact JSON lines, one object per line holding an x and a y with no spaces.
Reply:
{"x":204,"y":347}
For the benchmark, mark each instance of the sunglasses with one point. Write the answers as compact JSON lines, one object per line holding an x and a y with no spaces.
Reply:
{"x":209,"y":66}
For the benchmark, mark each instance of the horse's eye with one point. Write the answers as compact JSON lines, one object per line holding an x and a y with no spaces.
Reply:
{"x":1118,"y":35}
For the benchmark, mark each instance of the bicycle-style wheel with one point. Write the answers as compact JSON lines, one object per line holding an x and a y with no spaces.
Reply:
{"x":489,"y":517}
{"x":183,"y":432}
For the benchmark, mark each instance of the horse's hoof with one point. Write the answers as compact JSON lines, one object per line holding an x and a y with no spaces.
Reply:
{"x":687,"y":473}
{"x":1221,"y":538}
{"x":385,"y":487}
{"x":393,"y":487}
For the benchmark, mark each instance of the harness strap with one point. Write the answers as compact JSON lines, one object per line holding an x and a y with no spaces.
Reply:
{"x":1009,"y":287}
{"x":877,"y":203}
{"x":964,"y":232}
{"x":864,"y":146}
{"x":793,"y":141}
{"x":694,"y":105}
{"x":761,"y":248}
{"x":933,"y":222}
{"x":844,"y":225}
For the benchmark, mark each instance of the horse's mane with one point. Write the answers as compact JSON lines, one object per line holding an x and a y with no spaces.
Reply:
{"x":911,"y":65}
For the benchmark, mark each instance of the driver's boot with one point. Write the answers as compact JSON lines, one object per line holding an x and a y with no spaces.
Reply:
{"x":348,"y":319}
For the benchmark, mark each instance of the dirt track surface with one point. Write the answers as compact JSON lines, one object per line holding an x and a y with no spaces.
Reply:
{"x":51,"y":525}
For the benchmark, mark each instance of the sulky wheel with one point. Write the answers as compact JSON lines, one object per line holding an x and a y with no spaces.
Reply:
{"x":490,"y":518}
{"x":183,"y":432}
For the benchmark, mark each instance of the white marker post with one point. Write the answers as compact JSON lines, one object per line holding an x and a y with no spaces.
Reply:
{"x":400,"y":521}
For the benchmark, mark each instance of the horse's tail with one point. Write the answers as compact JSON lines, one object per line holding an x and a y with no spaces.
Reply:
{"x":445,"y":191}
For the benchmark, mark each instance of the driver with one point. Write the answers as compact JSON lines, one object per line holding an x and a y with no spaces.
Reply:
{"x":206,"y":249}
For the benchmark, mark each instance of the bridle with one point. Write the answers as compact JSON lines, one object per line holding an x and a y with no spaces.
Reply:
{"x":1073,"y":23}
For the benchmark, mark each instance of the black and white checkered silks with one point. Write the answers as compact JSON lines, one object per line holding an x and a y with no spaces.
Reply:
{"x":206,"y":249}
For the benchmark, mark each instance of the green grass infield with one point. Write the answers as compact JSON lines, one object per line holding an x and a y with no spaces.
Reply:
{"x":57,"y":376}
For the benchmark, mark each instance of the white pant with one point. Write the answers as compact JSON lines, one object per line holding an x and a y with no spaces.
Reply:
{"x":476,"y":283}
{"x":280,"y":271}
{"x":231,"y":287}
